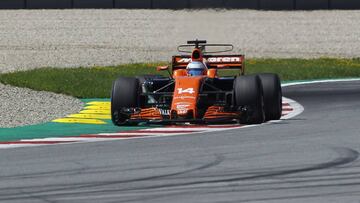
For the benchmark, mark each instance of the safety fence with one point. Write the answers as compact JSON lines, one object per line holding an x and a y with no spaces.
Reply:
{"x":183,"y":4}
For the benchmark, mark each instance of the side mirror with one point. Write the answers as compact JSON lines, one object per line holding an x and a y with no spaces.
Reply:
{"x":212,"y":73}
{"x":161,"y":68}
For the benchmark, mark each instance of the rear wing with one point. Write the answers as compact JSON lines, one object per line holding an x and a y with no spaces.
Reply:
{"x":212,"y":61}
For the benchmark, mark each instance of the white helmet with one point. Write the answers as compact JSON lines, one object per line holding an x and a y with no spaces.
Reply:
{"x":196,"y":68}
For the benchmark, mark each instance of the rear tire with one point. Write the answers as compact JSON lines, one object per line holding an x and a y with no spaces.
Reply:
{"x":248,"y":94}
{"x":124,"y":94}
{"x":272,"y":96}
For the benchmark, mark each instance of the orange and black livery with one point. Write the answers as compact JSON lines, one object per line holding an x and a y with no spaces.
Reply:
{"x":195,"y":92}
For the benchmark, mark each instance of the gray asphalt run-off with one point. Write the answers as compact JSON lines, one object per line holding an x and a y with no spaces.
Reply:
{"x":71,"y":38}
{"x":310,"y":158}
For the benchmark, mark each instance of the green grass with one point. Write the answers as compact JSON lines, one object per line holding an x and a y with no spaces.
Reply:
{"x":80,"y":82}
{"x":301,"y":69}
{"x":96,"y":82}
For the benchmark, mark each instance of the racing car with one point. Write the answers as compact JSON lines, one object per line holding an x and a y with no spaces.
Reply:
{"x":195,"y":92}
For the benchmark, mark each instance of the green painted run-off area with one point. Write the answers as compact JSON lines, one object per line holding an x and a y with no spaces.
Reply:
{"x":52,"y":129}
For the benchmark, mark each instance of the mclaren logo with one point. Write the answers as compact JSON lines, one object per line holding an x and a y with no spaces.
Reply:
{"x":214,"y":60}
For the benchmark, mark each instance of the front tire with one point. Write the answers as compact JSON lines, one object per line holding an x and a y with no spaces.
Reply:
{"x":248,"y":94}
{"x":124,"y":94}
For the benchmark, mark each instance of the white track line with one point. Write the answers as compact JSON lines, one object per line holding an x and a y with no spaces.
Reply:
{"x":293,"y":109}
{"x":319,"y":81}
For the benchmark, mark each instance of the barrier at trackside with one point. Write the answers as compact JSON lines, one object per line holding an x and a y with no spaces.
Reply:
{"x":133,"y":4}
{"x":314,"y":4}
{"x":168,"y":4}
{"x":183,"y":4}
{"x":345,"y":4}
{"x":277,"y":4}
{"x":12,"y":4}
{"x":206,"y":4}
{"x":93,"y":4}
{"x":48,"y":4}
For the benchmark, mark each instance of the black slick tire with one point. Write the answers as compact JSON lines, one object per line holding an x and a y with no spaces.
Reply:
{"x":271,"y":86}
{"x":248,"y":94}
{"x":124,"y":94}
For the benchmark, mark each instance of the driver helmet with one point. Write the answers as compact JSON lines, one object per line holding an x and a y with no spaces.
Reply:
{"x":196,"y":68}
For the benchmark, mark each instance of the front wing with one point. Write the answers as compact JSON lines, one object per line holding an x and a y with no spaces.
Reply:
{"x":154,"y":115}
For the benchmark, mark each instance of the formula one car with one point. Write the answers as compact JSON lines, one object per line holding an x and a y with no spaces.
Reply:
{"x":195,"y":93}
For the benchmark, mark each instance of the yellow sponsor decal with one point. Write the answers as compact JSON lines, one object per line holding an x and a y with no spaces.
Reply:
{"x":95,"y":112}
{"x":91,"y":111}
{"x":98,"y":107}
{"x":79,"y":121}
{"x":96,"y":103}
{"x":92,"y":116}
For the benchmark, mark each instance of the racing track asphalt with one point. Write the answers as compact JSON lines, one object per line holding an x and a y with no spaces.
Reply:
{"x":310,"y":158}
